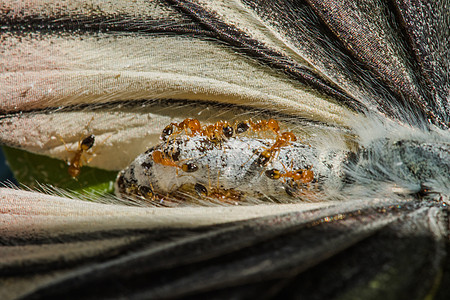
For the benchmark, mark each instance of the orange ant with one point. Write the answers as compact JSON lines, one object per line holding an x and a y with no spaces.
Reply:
{"x":161,"y":158}
{"x":84,"y":145}
{"x":260,"y":125}
{"x":217,"y":131}
{"x":214,"y":132}
{"x":217,"y":193}
{"x":76,"y":163}
{"x":301,"y":175}
{"x":192,"y":124}
{"x":283,"y":140}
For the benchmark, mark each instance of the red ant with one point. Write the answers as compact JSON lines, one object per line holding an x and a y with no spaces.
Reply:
{"x":220,"y":129}
{"x":301,"y":176}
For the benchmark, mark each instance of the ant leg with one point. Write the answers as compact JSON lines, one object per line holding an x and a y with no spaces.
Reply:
{"x":87,"y":125}
{"x":218,"y":175}
{"x":65,"y":145}
{"x":68,"y":160}
{"x":209,"y":177}
{"x":90,"y":152}
{"x":87,"y":161}
{"x":94,"y":150}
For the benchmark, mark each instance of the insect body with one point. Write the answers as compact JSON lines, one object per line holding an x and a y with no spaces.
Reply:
{"x":232,"y":169}
{"x":218,"y":131}
{"x":190,"y":126}
{"x":163,"y":159}
{"x":258,"y":126}
{"x":214,"y":132}
{"x":301,"y":175}
{"x":76,"y":162}
{"x":283,"y":140}
{"x":79,"y":157}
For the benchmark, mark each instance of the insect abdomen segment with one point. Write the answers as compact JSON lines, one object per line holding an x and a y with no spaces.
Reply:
{"x":231,"y":168}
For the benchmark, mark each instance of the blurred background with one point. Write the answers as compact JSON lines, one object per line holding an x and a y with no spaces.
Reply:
{"x":5,"y":173}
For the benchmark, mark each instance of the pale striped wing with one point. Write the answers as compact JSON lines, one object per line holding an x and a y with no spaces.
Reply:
{"x":124,"y":69}
{"x":56,"y":248}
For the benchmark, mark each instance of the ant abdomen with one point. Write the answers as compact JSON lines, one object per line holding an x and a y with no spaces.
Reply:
{"x":88,"y":142}
{"x":228,"y":131}
{"x":242,"y":127}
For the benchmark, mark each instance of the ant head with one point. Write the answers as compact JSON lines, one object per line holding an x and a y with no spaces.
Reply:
{"x":88,"y":142}
{"x":307,"y":175}
{"x":157,"y":156}
{"x":168,"y":130}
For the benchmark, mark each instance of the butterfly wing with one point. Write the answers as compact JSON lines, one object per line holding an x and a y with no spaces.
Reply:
{"x":133,"y":67}
{"x":55,"y":247}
